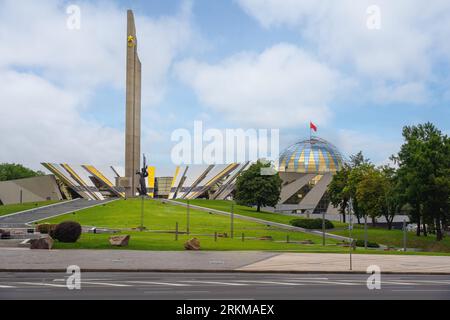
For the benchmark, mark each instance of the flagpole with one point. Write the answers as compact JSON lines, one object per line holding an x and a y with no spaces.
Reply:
{"x":310,"y":132}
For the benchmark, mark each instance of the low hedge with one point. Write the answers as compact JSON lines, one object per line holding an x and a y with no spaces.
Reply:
{"x":360,"y":243}
{"x":67,"y":232}
{"x":312,"y":223}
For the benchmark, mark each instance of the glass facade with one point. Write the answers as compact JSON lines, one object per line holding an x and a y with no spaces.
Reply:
{"x":313,"y":155}
{"x":163,"y":186}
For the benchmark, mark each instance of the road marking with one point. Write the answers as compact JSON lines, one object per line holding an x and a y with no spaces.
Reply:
{"x":272,"y":282}
{"x":160,"y":283}
{"x":104,"y":284}
{"x":218,"y":282}
{"x":64,"y":280}
{"x":383,"y":282}
{"x":399,"y":283}
{"x":442,"y":282}
{"x":421,"y":290}
{"x":329,"y":282}
{"x":42,"y":284}
{"x":309,"y":279}
{"x":93,"y":282}
{"x":6,"y":287}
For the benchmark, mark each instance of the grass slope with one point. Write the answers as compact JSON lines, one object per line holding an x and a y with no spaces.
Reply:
{"x":392,"y":238}
{"x":13,"y":208}
{"x":160,"y":220}
{"x":395,"y":238}
{"x":225,"y":205}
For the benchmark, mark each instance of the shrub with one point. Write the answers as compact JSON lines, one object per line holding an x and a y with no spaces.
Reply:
{"x":46,"y":228}
{"x":360,"y":243}
{"x":67,"y":232}
{"x":5,"y":235}
{"x":311,"y":223}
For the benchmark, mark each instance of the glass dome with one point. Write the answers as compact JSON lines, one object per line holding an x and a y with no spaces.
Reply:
{"x":313,"y":155}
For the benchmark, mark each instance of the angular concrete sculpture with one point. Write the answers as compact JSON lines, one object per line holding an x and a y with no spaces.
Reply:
{"x":119,"y":241}
{"x":133,"y":110}
{"x":192,"y":245}
{"x":45,"y":243}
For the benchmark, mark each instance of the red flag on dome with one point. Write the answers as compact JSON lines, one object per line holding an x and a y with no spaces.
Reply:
{"x":312,"y":126}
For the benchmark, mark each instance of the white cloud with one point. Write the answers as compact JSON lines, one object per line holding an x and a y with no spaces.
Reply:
{"x":405,"y":49}
{"x":40,"y":123}
{"x":35,"y":35}
{"x":280,"y":87}
{"x":48,"y":73}
{"x":413,"y":93}
{"x":377,"y":149}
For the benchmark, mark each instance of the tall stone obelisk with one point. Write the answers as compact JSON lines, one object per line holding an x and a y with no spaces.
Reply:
{"x":133,"y":110}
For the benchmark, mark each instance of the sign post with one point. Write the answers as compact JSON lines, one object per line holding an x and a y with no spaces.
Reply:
{"x":350,"y":229}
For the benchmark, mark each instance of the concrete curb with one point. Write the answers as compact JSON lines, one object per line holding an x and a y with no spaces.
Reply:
{"x":214,"y":271}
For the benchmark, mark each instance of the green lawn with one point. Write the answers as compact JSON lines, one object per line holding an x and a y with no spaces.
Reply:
{"x":225,"y":205}
{"x":386,"y":237}
{"x":166,"y":242}
{"x":13,"y":208}
{"x":395,"y":238}
{"x":160,"y":220}
{"x":125,"y":215}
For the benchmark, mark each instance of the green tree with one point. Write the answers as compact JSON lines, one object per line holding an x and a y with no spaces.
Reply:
{"x":255,"y":189}
{"x":339,"y":196}
{"x":357,"y":174}
{"x":394,"y":198}
{"x":13,"y":171}
{"x":424,"y":176}
{"x":343,"y":186}
{"x":370,"y":193}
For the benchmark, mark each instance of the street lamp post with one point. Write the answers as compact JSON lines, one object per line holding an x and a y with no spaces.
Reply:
{"x":350,"y":229}
{"x":232,"y":221}
{"x":142,"y":212}
{"x":404,"y":235}
{"x":188,"y":213}
{"x":323,"y":228}
{"x":365,"y":232}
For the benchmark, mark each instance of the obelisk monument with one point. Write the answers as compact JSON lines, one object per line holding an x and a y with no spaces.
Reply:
{"x":133,"y":110}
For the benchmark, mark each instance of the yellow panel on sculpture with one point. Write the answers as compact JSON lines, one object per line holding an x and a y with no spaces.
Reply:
{"x":151,"y":181}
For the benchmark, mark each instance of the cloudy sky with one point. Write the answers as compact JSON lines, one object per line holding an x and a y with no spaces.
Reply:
{"x":232,"y":64}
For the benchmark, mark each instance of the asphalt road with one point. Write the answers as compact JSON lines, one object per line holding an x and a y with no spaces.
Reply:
{"x":221,"y":286}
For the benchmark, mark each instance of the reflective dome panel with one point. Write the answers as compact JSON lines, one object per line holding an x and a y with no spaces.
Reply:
{"x":313,"y":155}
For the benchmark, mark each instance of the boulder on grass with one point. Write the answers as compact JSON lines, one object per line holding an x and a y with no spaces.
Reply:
{"x":193,"y":244}
{"x":41,"y":244}
{"x":119,"y":241}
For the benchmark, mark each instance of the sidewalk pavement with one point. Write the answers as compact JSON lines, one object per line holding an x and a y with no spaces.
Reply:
{"x":22,"y":259}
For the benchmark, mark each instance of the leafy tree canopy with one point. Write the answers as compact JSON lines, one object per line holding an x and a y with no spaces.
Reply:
{"x":11,"y":171}
{"x":255,"y":189}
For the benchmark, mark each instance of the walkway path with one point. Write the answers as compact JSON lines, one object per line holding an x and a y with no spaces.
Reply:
{"x":21,"y":259}
{"x":25,"y":218}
